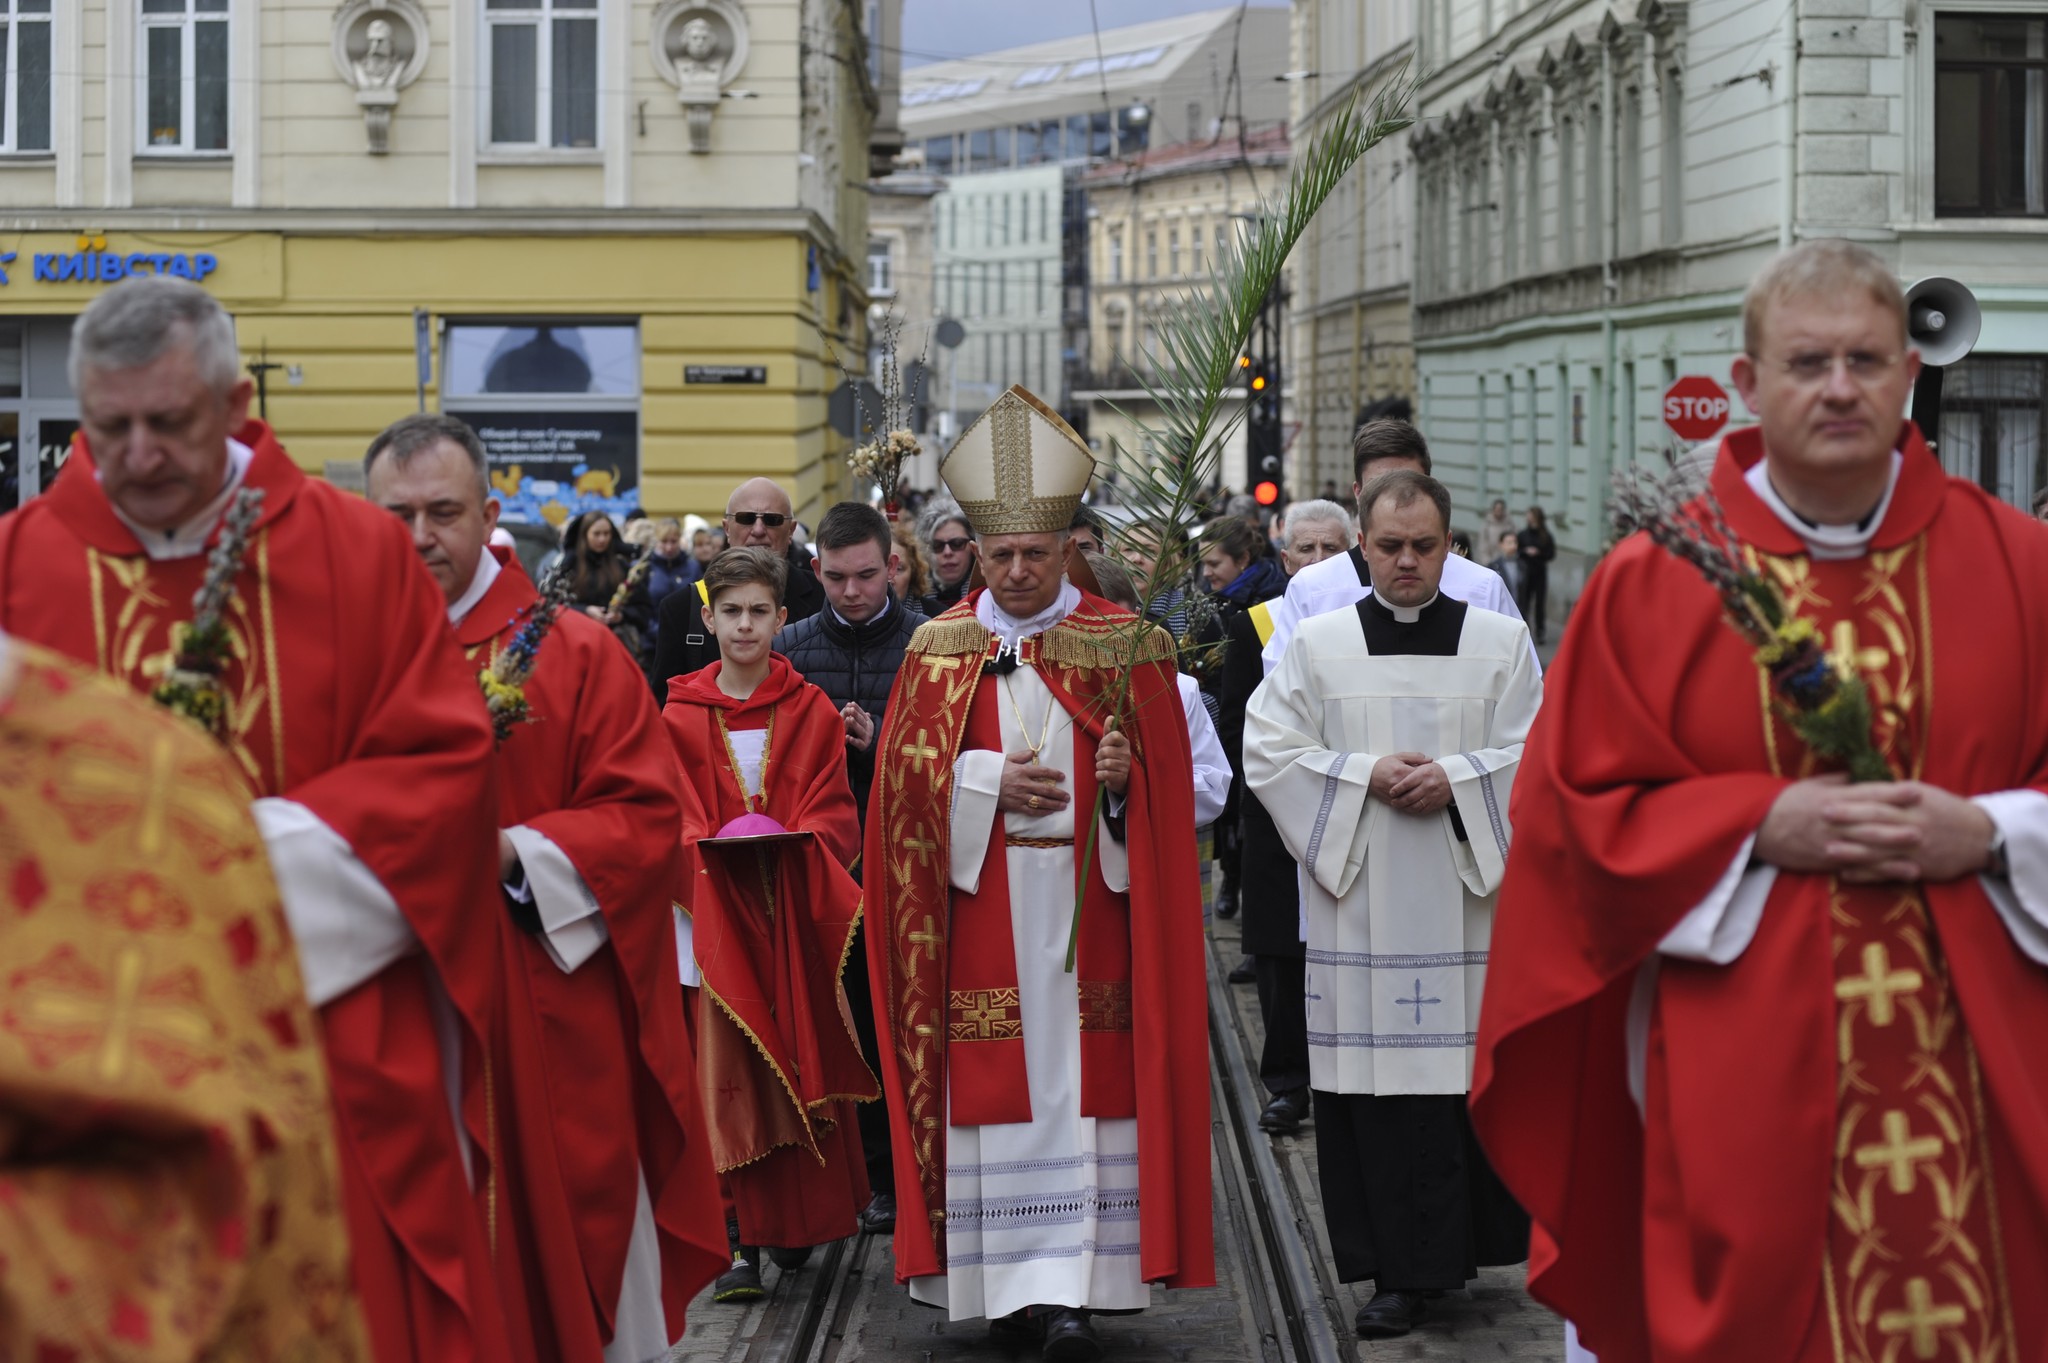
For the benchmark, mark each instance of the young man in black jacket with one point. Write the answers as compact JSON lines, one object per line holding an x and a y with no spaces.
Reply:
{"x":850,"y":650}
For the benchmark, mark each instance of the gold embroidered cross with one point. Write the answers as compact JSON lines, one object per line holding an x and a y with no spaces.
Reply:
{"x":934,"y":665}
{"x":926,"y":941}
{"x":71,"y":997}
{"x":920,"y":752}
{"x":982,"y":1013}
{"x":1877,"y":984}
{"x":1922,"y":1319}
{"x":1849,"y":651}
{"x":202,"y":810}
{"x":1900,"y":1153}
{"x":922,"y":845}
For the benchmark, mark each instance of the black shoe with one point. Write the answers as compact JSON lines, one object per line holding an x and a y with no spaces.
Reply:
{"x":1284,"y":1115}
{"x":1226,"y":902}
{"x":1069,"y":1338}
{"x":879,"y":1216}
{"x":1243,"y":973}
{"x":790,"y":1260}
{"x":741,"y":1282}
{"x":1389,"y":1315}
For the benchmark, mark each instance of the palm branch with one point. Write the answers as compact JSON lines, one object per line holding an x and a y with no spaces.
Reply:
{"x":1165,"y":486}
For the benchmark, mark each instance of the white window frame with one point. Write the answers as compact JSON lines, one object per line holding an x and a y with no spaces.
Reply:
{"x":187,"y":22}
{"x":10,"y":144}
{"x":886,"y":288}
{"x":540,"y":16}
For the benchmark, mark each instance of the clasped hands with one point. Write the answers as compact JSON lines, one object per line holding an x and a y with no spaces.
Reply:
{"x":860,"y":726}
{"x":1029,"y":788}
{"x":1877,"y":831}
{"x":1411,"y":783}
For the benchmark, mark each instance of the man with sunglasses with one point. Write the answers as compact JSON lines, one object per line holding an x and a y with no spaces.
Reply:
{"x":758,"y":514}
{"x":1760,"y":1049}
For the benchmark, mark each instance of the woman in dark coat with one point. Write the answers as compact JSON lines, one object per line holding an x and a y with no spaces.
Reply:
{"x":1537,"y":549}
{"x":598,"y":563}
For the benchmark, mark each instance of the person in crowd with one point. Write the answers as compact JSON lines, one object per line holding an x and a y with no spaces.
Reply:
{"x":757,"y":515}
{"x":182,"y":1198}
{"x":1461,"y":543}
{"x":1239,"y":577}
{"x":1380,"y":446}
{"x":637,"y":535}
{"x":1011,"y":1081}
{"x":1273,"y":960}
{"x":1212,"y":769}
{"x":912,"y":577}
{"x":769,"y":829}
{"x":1507,"y":561}
{"x":951,"y":542}
{"x":1497,"y":523}
{"x":670,"y":568}
{"x":706,"y":543}
{"x":1705,"y":930}
{"x":607,"y":1126}
{"x":599,"y":565}
{"x":851,"y":651}
{"x":1085,"y":536}
{"x":1535,"y":548}
{"x":356,"y":723}
{"x":1392,"y":788}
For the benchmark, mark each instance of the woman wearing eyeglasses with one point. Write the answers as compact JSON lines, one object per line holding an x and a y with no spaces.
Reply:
{"x":952,"y":551}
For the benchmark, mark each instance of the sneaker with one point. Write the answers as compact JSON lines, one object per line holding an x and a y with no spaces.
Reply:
{"x":741,"y":1282}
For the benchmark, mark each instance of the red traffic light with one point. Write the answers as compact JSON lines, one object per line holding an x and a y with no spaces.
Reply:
{"x":1265,"y":494}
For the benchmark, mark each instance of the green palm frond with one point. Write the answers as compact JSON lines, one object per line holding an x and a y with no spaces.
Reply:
{"x":1166,"y":486}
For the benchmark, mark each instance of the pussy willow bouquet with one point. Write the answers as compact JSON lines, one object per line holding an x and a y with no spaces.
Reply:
{"x":504,"y":680}
{"x":1189,"y":381}
{"x":635,"y":575}
{"x":192,"y":687}
{"x":1819,"y":695}
{"x":888,"y":444}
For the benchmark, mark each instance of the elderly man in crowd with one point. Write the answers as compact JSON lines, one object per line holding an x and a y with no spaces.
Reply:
{"x":758,"y":514}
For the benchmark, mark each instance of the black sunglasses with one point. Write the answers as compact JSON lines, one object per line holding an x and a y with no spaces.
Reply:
{"x":952,"y":546}
{"x":772,"y":519}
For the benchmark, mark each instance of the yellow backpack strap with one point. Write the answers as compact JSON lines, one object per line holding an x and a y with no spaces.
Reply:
{"x":703,"y":595}
{"x":1262,"y":621}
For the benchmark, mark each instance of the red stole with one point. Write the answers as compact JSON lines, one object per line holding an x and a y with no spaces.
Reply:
{"x":777,"y":1057}
{"x":347,"y":695}
{"x":599,"y":1072}
{"x":914,"y":919}
{"x":1706,"y":1229}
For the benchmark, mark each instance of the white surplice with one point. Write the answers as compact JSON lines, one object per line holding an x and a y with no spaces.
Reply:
{"x":1043,"y":1212}
{"x":1398,"y":908}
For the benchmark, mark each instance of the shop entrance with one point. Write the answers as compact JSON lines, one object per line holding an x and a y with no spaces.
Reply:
{"x":38,"y":414}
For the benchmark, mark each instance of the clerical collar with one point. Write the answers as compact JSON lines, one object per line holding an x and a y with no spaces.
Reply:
{"x":1000,"y":623}
{"x":1406,"y":615}
{"x":1825,"y":543}
{"x":487,"y":570}
{"x":189,"y":539}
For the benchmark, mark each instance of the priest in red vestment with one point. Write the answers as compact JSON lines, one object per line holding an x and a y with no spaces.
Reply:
{"x":1758,"y":1049}
{"x":1013,"y":1081}
{"x":334,"y":685}
{"x":768,"y":831}
{"x":617,"y":1214}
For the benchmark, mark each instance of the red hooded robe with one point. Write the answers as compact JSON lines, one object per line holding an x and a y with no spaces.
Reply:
{"x":348,"y":696}
{"x":602,"y":1082}
{"x":777,"y":1059}
{"x":1699,"y":1229}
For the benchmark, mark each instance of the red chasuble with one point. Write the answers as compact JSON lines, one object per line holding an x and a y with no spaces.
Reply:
{"x":1843,"y":1146}
{"x":605,"y":1068}
{"x":347,"y":695}
{"x":941,"y":961}
{"x":777,"y":1060}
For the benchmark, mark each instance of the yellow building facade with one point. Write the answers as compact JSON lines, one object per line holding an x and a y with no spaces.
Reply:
{"x":623,"y":239}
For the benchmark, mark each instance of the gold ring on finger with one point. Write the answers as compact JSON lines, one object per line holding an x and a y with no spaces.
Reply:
{"x":1034,"y":802}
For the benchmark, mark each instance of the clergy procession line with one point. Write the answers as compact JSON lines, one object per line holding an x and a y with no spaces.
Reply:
{"x":404,"y":985}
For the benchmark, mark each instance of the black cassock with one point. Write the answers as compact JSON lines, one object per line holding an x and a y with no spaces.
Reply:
{"x":1409,"y":1197}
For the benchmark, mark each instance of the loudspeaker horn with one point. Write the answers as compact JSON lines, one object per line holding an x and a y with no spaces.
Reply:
{"x":1942,"y":319}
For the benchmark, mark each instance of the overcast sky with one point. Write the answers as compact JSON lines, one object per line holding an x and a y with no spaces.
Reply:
{"x":937,"y":29}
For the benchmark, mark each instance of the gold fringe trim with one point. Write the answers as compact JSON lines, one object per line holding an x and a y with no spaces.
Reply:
{"x":846,"y":1014}
{"x":1085,"y":644}
{"x":803,"y":1113}
{"x":949,"y":638}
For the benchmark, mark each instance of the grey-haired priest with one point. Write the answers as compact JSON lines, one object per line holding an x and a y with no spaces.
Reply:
{"x":1050,"y":1125}
{"x":1385,"y":746}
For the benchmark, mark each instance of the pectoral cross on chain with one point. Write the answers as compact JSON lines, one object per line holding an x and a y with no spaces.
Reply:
{"x":1418,"y":1001}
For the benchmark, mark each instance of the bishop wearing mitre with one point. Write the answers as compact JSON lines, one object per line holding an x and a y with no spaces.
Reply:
{"x":1050,"y":1123}
{"x":1385,"y":746}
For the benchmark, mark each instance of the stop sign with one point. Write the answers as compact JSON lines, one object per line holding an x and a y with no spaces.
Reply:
{"x":1695,"y":408}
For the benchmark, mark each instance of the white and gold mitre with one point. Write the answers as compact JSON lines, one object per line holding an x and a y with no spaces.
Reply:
{"x":1018,"y":469}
